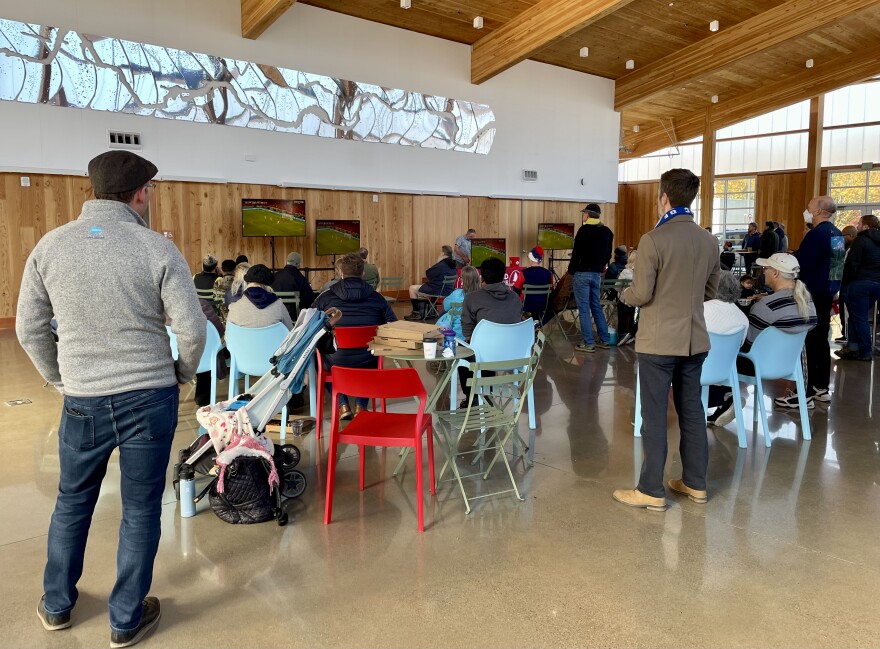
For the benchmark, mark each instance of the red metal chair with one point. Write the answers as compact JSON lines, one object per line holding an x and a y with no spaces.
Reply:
{"x":346,"y":338}
{"x":380,"y":428}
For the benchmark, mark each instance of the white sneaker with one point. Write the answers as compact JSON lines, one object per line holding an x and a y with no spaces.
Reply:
{"x":726,"y":416}
{"x":791,"y":400}
{"x":822,"y":395}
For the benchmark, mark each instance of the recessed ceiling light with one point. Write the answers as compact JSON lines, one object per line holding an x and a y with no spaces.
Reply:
{"x":585,"y":52}
{"x":714,"y":99}
{"x":405,"y":4}
{"x":630,"y":65}
{"x":809,"y":63}
{"x":714,"y":26}
{"x":478,"y":22}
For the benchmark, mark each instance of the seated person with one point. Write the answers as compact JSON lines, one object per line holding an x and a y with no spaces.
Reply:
{"x":747,"y":286}
{"x":470,"y":282}
{"x":241,"y":259}
{"x":361,"y":306}
{"x":371,"y":273}
{"x":494,"y":302}
{"x":789,"y":308}
{"x":619,"y":263}
{"x":536,"y":275}
{"x":728,"y":256}
{"x":236,"y":287}
{"x":289,"y":279}
{"x":222,"y":284}
{"x":204,"y":281}
{"x":258,"y":306}
{"x":436,"y":274}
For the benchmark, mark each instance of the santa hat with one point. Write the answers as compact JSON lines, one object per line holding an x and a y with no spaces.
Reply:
{"x":536,"y":254}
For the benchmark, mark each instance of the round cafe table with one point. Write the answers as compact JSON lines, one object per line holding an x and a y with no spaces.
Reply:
{"x":404,"y":359}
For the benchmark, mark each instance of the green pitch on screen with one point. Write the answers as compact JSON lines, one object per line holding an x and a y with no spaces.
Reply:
{"x":552,"y":240}
{"x":333,"y":242}
{"x":479,"y":254}
{"x":259,"y":221}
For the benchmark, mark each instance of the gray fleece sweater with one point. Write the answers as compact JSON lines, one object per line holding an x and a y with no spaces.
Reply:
{"x":109,"y":281}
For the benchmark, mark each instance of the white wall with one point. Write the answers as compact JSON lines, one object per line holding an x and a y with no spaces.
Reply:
{"x":559,"y":122}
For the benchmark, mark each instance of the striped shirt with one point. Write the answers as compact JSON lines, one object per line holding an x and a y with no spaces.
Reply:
{"x":778,"y":310}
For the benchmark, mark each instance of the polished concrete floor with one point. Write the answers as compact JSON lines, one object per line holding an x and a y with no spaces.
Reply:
{"x":785,"y":554}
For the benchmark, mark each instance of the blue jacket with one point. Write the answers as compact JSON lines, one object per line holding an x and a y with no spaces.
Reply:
{"x":821,"y":256}
{"x":752,"y":242}
{"x":360,"y":306}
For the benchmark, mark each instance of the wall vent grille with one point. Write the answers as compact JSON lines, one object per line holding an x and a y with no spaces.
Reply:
{"x":124,"y":140}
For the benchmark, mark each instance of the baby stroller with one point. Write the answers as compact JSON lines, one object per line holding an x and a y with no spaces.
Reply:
{"x":235,"y":429}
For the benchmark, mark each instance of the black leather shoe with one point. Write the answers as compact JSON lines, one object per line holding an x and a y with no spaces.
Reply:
{"x":52,"y":622}
{"x":149,"y":620}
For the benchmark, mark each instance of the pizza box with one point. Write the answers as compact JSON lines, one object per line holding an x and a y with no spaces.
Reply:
{"x":397,"y":343}
{"x":381,"y":350}
{"x":409,"y":330}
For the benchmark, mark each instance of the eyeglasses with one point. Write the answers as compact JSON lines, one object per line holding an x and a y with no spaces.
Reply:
{"x":150,"y":185}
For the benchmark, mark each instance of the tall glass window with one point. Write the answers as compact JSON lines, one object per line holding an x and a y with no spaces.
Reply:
{"x":733,"y":207}
{"x":856,"y":192}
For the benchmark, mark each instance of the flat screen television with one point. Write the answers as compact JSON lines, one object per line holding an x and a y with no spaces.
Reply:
{"x":556,"y":236}
{"x":483,"y":249}
{"x":270,"y":217}
{"x":337,"y":237}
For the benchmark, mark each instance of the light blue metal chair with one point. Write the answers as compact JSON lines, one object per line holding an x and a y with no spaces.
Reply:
{"x":719,"y":368}
{"x":492,"y":343}
{"x":208,"y":361}
{"x":251,"y":350}
{"x":777,"y":355}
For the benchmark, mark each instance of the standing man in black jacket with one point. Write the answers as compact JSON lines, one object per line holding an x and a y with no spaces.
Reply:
{"x":289,"y":279}
{"x":592,"y":250}
{"x":861,"y":279}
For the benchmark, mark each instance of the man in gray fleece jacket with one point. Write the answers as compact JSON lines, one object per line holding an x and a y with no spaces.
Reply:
{"x":113,"y":364}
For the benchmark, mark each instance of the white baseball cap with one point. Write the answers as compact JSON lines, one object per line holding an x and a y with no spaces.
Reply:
{"x":783,"y":262}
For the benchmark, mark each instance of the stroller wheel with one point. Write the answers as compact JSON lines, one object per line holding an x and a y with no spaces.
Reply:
{"x":293,"y":484}
{"x":291,"y":455}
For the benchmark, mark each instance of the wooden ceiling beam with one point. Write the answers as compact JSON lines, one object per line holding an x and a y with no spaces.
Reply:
{"x":825,"y":77}
{"x":757,"y":34}
{"x":258,"y":15}
{"x":532,"y":30}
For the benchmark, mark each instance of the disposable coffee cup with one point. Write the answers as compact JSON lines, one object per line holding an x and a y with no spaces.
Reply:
{"x":430,"y":347}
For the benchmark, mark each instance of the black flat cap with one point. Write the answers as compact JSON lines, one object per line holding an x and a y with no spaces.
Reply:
{"x":592,"y":207}
{"x":259,"y":274}
{"x":117,"y":172}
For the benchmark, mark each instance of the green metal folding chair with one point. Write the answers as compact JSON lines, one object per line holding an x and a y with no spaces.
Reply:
{"x":543,"y":290}
{"x":394,"y":284}
{"x":434,"y":300}
{"x":493,"y":411}
{"x":289,"y":298}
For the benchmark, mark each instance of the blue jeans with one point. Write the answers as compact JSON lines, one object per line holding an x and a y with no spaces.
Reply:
{"x":586,"y":292}
{"x":141,"y":424}
{"x":860,"y":298}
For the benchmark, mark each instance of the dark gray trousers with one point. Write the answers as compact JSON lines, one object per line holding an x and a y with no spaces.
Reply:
{"x":656,"y":374}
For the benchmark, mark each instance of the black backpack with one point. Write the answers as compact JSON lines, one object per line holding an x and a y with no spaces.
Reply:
{"x":247,"y":497}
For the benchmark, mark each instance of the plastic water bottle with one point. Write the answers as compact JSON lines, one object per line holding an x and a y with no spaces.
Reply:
{"x":187,"y":478}
{"x":612,"y":336}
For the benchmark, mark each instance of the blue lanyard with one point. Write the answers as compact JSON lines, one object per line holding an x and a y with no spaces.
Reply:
{"x":675,"y":211}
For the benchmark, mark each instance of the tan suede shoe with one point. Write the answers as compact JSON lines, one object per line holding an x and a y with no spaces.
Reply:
{"x":680,"y":487}
{"x":635,"y":498}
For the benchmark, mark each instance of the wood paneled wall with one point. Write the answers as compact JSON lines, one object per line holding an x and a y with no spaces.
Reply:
{"x":403,"y":232}
{"x":778,"y":197}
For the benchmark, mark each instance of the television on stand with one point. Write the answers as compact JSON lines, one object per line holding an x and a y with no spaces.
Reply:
{"x":337,"y":237}
{"x":556,"y":236}
{"x":272,"y":217}
{"x":483,"y":249}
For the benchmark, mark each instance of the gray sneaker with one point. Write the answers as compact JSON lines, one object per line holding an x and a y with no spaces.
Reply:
{"x":149,"y":620}
{"x":50,"y":621}
{"x":601,"y":345}
{"x":583,"y":347}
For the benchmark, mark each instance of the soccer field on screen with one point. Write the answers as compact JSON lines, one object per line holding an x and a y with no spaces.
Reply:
{"x":333,"y":242}
{"x":261,"y":222}
{"x":552,"y":240}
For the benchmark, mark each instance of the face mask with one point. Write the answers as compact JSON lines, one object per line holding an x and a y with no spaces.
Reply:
{"x":808,"y":216}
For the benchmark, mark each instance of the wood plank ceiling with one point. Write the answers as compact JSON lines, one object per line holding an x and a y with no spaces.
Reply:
{"x":762,"y":61}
